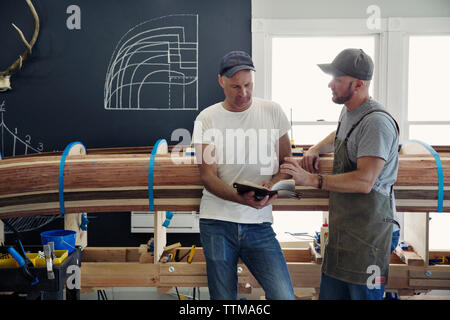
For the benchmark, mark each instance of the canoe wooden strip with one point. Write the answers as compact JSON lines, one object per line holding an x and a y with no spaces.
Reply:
{"x":118,"y":182}
{"x":29,"y":175}
{"x":193,"y":192}
{"x":188,"y":204}
{"x":148,"y":150}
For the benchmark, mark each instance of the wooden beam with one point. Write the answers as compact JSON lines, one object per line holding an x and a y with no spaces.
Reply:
{"x":398,"y":276}
{"x":159,"y":235}
{"x":110,"y":254}
{"x":430,"y":284}
{"x":303,"y":275}
{"x":438,"y":272}
{"x":416,"y":233}
{"x":411,"y":258}
{"x":118,"y":274}
{"x":73,"y":221}
{"x":160,"y":232}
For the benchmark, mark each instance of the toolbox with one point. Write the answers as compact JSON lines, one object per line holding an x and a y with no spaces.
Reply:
{"x":13,"y":280}
{"x":9,"y":262}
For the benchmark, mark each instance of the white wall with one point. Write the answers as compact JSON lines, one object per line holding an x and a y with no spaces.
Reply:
{"x":321,"y":9}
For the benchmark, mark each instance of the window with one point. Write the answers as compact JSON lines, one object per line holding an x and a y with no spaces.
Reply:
{"x":410,"y":80}
{"x":301,"y":87}
{"x":439,"y":230}
{"x":428,"y":103}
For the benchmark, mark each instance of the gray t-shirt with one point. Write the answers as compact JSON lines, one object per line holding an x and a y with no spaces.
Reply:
{"x":376,"y":135}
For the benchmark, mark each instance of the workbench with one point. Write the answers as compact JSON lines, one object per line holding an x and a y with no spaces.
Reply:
{"x":120,"y":267}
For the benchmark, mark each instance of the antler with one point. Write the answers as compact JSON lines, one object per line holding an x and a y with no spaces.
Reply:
{"x":5,"y":75}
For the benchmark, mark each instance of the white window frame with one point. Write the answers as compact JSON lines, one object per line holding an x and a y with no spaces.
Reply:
{"x":391,"y":55}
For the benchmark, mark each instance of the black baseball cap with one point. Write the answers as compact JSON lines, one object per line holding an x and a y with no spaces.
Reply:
{"x":235,"y":61}
{"x":350,"y":62}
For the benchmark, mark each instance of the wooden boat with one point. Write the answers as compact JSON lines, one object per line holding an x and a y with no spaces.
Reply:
{"x":117,"y":181}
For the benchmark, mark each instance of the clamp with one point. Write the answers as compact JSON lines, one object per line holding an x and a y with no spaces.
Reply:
{"x":169,"y":215}
{"x":49,"y":251}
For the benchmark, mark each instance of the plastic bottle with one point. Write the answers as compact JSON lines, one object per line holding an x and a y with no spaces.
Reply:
{"x":323,"y":237}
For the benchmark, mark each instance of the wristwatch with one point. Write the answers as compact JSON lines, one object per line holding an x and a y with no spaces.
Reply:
{"x":319,"y":176}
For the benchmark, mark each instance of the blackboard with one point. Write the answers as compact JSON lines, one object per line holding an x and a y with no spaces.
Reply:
{"x":59,"y":95}
{"x":125,"y":73}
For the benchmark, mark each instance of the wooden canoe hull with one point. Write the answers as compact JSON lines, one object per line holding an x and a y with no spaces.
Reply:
{"x":119,"y":182}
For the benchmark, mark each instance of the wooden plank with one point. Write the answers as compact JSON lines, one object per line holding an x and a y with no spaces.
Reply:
{"x":297,"y":255}
{"x":305,"y":275}
{"x":172,"y":246}
{"x":131,"y":254}
{"x":193,"y":274}
{"x":416,"y":233}
{"x":398,"y":277}
{"x":428,"y":273}
{"x":183,"y":281}
{"x":73,"y":221}
{"x":104,"y":254}
{"x":127,"y":274}
{"x":395,"y":259}
{"x":411,"y":258}
{"x":159,"y":235}
{"x":430,"y":284}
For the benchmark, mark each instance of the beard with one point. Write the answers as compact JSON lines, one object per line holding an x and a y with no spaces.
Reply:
{"x":343,"y":98}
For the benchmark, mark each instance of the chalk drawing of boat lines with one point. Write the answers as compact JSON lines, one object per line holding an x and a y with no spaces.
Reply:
{"x":11,"y":143}
{"x":155,"y":66}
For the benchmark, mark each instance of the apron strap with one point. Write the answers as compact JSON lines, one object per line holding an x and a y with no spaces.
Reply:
{"x":357,"y":123}
{"x":392,"y":221}
{"x":398,"y":131}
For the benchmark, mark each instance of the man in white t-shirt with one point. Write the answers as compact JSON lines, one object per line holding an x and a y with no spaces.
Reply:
{"x":241,"y":138}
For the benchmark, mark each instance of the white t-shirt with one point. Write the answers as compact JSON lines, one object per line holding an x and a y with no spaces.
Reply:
{"x":246,"y":145}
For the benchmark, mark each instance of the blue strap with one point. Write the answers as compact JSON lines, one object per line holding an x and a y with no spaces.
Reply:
{"x":437,"y":159}
{"x":150,"y":174}
{"x":84,"y":222}
{"x":62,"y":208}
{"x":169,"y":215}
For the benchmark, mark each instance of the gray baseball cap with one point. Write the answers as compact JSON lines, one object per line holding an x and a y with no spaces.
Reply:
{"x":350,"y":62}
{"x":235,"y":61}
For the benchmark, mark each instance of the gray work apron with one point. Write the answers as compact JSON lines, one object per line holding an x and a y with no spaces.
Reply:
{"x":360,"y":227}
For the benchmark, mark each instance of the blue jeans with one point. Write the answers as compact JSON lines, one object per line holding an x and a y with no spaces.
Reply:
{"x":395,"y":237}
{"x":225,"y":242}
{"x":334,"y":289}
